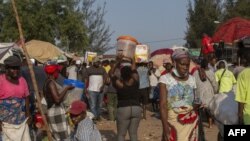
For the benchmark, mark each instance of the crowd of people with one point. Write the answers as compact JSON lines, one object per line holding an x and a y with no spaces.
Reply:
{"x":127,"y":89}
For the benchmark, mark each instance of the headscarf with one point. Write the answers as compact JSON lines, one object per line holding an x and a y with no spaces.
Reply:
{"x":180,"y":53}
{"x":225,"y":62}
{"x":52,"y":69}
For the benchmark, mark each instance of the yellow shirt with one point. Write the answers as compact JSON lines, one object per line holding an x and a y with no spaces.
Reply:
{"x":243,"y":93}
{"x":226,"y":81}
{"x":107,"y":68}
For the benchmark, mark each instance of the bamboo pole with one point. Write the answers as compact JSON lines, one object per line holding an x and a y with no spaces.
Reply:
{"x":32,"y":74}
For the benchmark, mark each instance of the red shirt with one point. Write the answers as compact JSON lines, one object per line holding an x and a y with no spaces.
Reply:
{"x":207,"y":46}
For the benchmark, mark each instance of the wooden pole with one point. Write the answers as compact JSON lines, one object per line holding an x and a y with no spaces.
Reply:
{"x":32,"y":74}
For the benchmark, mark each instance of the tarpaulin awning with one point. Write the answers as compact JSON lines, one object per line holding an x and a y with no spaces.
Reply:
{"x":159,"y":55}
{"x":162,"y":51}
{"x":232,"y":30}
{"x":8,"y":49}
{"x":43,"y":51}
{"x":3,"y":51}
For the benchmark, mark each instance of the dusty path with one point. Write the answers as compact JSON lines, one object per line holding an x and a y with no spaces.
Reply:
{"x":149,"y":130}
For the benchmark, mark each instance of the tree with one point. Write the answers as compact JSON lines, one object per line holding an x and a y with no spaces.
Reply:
{"x":71,"y":24}
{"x":236,"y":8}
{"x":97,"y":31}
{"x":200,"y":19}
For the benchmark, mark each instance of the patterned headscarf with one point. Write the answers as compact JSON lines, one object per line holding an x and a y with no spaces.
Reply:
{"x":180,"y":53}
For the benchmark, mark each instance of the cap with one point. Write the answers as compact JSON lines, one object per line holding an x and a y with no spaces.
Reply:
{"x":77,"y":107}
{"x":12,"y":61}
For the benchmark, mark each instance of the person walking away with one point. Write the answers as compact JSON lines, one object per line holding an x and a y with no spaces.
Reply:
{"x":206,"y":87}
{"x":85,"y":129}
{"x":14,"y":102}
{"x":54,"y":96}
{"x":95,"y":78}
{"x":112,"y":96}
{"x":144,"y":86}
{"x":129,"y":110}
{"x":224,"y":77}
{"x":178,"y":115}
{"x":243,"y":93}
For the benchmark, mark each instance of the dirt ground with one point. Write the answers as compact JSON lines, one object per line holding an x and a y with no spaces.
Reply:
{"x":149,"y":130}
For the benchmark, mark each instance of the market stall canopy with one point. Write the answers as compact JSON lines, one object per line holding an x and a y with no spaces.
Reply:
{"x":43,"y":51}
{"x":159,"y":55}
{"x":232,"y":30}
{"x":9,"y":49}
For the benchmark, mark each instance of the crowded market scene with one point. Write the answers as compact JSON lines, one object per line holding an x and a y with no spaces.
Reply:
{"x":70,"y":90}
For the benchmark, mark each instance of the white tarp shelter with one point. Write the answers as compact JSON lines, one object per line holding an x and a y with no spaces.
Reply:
{"x":8,"y":49}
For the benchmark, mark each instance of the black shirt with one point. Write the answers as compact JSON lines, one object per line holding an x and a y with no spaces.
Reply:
{"x":128,"y":95}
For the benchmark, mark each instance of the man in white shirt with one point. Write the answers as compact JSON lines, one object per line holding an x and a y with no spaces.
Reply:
{"x":95,"y":78}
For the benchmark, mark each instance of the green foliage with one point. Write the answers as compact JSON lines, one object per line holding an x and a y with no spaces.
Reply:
{"x":98,"y":33}
{"x":203,"y":13}
{"x":57,"y":21}
{"x":201,"y":17}
{"x":237,"y":8}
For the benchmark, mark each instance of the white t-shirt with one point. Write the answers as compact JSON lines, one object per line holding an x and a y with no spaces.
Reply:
{"x":96,"y":78}
{"x":71,"y":70}
{"x":180,"y":93}
{"x":153,"y":78}
{"x":95,"y":83}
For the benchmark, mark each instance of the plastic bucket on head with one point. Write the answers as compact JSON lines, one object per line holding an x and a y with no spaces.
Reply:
{"x":74,"y":94}
{"x":126,"y":46}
